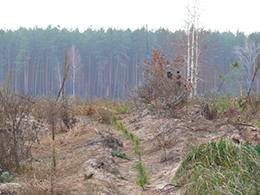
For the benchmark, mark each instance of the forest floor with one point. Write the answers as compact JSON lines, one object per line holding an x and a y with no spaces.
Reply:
{"x":85,"y":163}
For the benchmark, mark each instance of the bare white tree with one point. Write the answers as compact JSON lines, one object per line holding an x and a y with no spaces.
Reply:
{"x":247,"y":56}
{"x":58,"y":69}
{"x":75,"y":67}
{"x":193,"y":44}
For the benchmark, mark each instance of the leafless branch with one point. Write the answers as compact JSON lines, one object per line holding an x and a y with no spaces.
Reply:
{"x":257,"y":66}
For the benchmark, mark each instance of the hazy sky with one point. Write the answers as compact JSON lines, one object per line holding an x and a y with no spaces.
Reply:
{"x":222,"y":15}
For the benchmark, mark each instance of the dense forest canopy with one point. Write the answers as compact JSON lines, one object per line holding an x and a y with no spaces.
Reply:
{"x":106,"y":62}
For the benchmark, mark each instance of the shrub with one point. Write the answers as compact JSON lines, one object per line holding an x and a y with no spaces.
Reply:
{"x":14,"y":132}
{"x":105,"y":116}
{"x":164,"y":84}
{"x":66,"y":114}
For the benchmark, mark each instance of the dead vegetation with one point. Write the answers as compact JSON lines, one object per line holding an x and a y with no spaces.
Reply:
{"x":165,"y":88}
{"x":16,"y":136}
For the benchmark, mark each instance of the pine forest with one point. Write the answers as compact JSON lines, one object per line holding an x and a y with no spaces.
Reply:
{"x":108,"y":62}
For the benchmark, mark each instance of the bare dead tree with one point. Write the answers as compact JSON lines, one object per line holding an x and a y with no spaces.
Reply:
{"x":247,"y":56}
{"x":193,"y":44}
{"x":257,"y":66}
{"x":59,"y":75}
{"x":66,"y":74}
{"x":54,"y":111}
{"x":75,"y":66}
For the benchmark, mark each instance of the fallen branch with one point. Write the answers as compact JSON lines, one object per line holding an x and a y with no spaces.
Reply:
{"x":172,"y":187}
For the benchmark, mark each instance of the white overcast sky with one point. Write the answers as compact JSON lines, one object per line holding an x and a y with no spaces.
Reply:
{"x":221,"y":15}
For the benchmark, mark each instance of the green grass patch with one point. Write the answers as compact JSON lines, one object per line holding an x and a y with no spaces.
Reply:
{"x":220,"y":168}
{"x":120,"y":108}
{"x":256,"y":148}
{"x":223,"y":103}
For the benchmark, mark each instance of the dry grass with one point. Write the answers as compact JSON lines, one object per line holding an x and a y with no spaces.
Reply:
{"x":106,"y":112}
{"x":69,"y":158}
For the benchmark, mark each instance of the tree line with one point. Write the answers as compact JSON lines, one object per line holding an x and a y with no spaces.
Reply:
{"x":107,"y":62}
